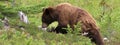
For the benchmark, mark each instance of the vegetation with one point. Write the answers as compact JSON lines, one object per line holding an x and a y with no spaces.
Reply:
{"x":106,"y":13}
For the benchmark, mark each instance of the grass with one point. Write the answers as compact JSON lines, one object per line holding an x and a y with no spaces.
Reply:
{"x":108,"y":23}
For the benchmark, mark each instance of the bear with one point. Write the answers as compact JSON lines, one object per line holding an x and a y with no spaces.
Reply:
{"x":67,"y":14}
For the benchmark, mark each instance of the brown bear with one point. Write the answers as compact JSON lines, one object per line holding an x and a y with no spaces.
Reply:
{"x":66,"y":14}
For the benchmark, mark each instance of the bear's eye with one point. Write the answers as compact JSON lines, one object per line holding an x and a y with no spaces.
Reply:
{"x":45,"y":19}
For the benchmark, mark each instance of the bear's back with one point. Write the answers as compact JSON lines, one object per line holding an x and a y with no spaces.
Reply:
{"x":65,"y":7}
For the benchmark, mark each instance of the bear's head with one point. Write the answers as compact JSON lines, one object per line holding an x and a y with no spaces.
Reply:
{"x":49,"y":15}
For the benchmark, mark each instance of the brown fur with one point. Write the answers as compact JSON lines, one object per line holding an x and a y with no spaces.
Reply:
{"x":66,"y":14}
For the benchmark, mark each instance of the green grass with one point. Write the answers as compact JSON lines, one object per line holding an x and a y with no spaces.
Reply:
{"x":109,"y":23}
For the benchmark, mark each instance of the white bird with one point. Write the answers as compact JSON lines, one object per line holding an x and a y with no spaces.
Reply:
{"x":23,"y":17}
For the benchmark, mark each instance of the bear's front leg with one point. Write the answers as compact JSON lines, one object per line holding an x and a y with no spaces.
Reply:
{"x":59,"y":29}
{"x":62,"y":23}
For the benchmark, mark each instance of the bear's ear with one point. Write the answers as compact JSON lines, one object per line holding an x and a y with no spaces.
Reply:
{"x":43,"y":9}
{"x":48,"y":10}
